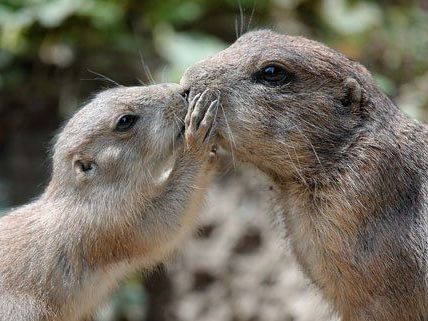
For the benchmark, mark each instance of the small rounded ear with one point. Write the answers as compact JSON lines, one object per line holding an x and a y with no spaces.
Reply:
{"x":83,"y":168}
{"x":351,"y":95}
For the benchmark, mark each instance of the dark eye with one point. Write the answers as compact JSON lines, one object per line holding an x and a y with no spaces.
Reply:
{"x":126,"y":122}
{"x":273,"y":75}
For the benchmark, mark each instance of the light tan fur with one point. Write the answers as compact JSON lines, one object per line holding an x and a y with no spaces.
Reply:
{"x":62,"y":254}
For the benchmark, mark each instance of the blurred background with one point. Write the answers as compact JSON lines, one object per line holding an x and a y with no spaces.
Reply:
{"x":55,"y":54}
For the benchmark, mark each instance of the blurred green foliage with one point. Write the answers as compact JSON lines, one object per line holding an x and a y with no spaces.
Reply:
{"x":71,"y":36}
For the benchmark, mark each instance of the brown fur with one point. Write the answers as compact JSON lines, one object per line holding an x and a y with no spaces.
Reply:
{"x":350,"y":169}
{"x":63,"y":253}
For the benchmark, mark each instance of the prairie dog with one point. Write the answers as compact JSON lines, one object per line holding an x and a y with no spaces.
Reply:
{"x":103,"y":213}
{"x":350,"y":170}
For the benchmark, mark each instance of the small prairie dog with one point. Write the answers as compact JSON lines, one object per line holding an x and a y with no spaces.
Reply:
{"x":104,"y":213}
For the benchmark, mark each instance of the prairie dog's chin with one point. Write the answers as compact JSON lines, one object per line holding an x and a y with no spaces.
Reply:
{"x":223,"y":142}
{"x":166,"y":161}
{"x":165,"y":169}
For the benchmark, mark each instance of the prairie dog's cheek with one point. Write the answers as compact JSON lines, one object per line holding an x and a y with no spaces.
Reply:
{"x":110,"y":160}
{"x":159,"y":133}
{"x":156,"y":125}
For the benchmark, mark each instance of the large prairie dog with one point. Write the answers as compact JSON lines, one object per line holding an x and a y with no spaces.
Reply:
{"x":350,"y":170}
{"x":103,"y":213}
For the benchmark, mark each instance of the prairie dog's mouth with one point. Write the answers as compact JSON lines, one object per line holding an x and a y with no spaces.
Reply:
{"x":181,"y":127}
{"x":178,"y":138}
{"x":180,"y":132}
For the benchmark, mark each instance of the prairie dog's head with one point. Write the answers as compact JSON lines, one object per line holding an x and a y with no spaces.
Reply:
{"x":119,"y":140}
{"x":285,"y":100}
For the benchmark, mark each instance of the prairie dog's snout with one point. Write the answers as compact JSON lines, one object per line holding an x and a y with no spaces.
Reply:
{"x":175,"y":98}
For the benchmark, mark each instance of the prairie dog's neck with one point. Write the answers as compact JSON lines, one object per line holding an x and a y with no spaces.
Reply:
{"x":69,"y":256}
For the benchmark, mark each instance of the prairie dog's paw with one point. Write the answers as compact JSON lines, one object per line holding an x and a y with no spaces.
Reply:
{"x":200,"y":125}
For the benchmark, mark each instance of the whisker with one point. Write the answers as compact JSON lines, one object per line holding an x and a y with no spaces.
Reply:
{"x":227,"y":124}
{"x":103,"y":77}
{"x":143,"y":64}
{"x":163,"y":74}
{"x":215,"y":117}
{"x":226,"y":170}
{"x":149,"y":174}
{"x":174,"y":134}
{"x":230,"y":135}
{"x":236,"y":28}
{"x":141,"y":82}
{"x":178,"y":119}
{"x":173,"y":143}
{"x":251,"y":16}
{"x":316,"y":128}
{"x":309,"y":142}
{"x":241,"y":14}
{"x":297,"y":168}
{"x":146,"y":69}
